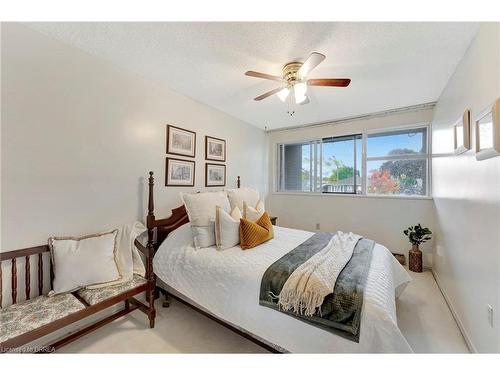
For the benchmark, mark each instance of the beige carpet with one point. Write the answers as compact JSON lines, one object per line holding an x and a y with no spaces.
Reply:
{"x":425,"y":319}
{"x":423,"y":316}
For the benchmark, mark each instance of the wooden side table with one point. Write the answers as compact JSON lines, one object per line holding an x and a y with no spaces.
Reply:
{"x":274,"y":219}
{"x":400,"y":257}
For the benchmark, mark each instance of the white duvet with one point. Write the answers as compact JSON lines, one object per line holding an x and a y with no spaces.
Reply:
{"x":227,"y":283}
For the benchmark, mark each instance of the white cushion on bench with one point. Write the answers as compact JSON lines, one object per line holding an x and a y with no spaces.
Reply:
{"x":94,"y":296}
{"x":83,"y":261}
{"x":35,"y":313}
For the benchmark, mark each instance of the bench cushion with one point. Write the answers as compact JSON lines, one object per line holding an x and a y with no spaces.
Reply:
{"x":94,"y":296}
{"x":35,"y":313}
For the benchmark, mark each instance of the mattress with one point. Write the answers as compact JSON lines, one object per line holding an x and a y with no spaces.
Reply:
{"x":227,"y":284}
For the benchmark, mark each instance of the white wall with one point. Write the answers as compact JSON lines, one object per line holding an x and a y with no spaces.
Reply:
{"x":382,"y":219}
{"x":467,"y":197}
{"x":79,"y":136}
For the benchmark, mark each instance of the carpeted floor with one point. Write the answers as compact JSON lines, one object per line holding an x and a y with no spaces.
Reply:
{"x":423,"y":316}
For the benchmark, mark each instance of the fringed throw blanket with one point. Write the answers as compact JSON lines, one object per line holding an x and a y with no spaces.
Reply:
{"x":307,"y":287}
{"x":321,"y":282}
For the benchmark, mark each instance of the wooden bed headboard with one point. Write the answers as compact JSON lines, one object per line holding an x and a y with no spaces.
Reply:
{"x":158,"y":229}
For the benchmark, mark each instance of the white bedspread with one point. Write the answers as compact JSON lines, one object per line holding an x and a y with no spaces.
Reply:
{"x":227,"y":283}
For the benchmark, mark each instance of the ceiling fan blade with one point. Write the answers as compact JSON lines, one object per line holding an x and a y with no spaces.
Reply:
{"x":312,"y":62}
{"x":251,"y":73}
{"x":269,"y":93}
{"x":338,"y":82}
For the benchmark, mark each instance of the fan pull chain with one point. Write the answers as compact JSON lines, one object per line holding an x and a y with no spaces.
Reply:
{"x":291,"y":110}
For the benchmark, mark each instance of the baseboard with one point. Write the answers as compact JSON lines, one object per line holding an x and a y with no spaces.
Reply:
{"x":460,"y":325}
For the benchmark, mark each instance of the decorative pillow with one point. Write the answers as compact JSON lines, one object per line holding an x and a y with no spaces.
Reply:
{"x":127,"y":256}
{"x":200,"y":208}
{"x":227,"y":228}
{"x":253,"y":213}
{"x":255,"y":233}
{"x":238,"y":196}
{"x":83,"y":261}
{"x":203,"y":235}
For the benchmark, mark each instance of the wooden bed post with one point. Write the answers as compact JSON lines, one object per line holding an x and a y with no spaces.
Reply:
{"x":238,"y":182}
{"x":151,"y":206}
{"x":157,"y":232}
{"x":150,"y":246}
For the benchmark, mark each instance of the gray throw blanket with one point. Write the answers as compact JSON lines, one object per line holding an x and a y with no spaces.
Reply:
{"x":341,"y":310}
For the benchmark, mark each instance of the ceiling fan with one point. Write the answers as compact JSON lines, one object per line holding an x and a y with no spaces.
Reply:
{"x":294,"y":79}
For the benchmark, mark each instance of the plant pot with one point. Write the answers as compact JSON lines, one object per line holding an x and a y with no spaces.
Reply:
{"x":415,"y":259}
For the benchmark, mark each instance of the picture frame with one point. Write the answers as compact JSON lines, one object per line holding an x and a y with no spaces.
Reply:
{"x":179,"y":172}
{"x":215,"y":149}
{"x":215,"y":175}
{"x":181,"y":141}
{"x":487,"y":129}
{"x":461,"y":132}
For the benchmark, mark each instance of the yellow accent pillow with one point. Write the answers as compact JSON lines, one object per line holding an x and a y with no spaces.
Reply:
{"x":255,"y":233}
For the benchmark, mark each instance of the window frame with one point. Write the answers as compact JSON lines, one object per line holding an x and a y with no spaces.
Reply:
{"x":363,"y":166}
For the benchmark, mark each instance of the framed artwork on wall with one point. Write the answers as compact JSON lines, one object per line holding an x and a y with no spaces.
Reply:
{"x":487,"y":128}
{"x":181,"y":141}
{"x":179,"y":172}
{"x":461,"y":131}
{"x":215,"y":149}
{"x":215,"y":175}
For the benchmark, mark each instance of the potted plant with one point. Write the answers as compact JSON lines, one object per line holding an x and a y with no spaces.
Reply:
{"x":417,"y":235}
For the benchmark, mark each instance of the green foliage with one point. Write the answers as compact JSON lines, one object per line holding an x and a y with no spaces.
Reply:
{"x":341,"y":171}
{"x":417,"y":234}
{"x":407,"y":168}
{"x":407,"y":172}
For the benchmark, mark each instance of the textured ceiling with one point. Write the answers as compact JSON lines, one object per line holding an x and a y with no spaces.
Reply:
{"x":391,"y":64}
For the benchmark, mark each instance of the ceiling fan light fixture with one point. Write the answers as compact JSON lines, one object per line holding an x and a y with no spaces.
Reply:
{"x":300,"y":90}
{"x":283,"y":94}
{"x":294,"y":81}
{"x":300,"y":99}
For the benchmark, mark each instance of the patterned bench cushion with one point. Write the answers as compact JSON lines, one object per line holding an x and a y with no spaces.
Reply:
{"x":35,"y":313}
{"x":94,"y":296}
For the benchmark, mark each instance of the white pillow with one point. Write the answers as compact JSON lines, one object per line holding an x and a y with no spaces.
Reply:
{"x":200,"y":208}
{"x":227,"y":228}
{"x":203,"y":235}
{"x":238,"y":196}
{"x":127,"y":256}
{"x":83,"y":261}
{"x":253,"y":213}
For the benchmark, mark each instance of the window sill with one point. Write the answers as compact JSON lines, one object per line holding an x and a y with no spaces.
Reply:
{"x":371,"y":196}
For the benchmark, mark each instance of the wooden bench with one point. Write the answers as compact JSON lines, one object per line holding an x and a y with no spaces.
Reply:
{"x":39,"y":315}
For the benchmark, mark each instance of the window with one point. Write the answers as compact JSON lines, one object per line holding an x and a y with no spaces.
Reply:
{"x":397,"y":162}
{"x":393,"y":162}
{"x":297,"y":166}
{"x":341,"y":160}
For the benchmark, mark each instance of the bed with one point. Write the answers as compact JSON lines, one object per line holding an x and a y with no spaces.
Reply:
{"x":225,"y":285}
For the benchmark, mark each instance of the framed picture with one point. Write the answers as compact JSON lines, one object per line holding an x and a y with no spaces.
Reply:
{"x":488,"y":132}
{"x":181,"y":141}
{"x":215,"y":149}
{"x":461,"y":131}
{"x":215,"y":175}
{"x":179,"y":172}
